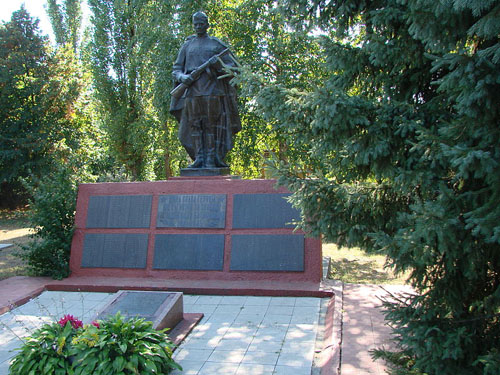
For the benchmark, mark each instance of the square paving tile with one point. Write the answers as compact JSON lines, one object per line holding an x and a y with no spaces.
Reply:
{"x":233,"y":344}
{"x":291,"y":370}
{"x":218,"y":368}
{"x":5,"y":356}
{"x":280,"y":310}
{"x":261,"y":357}
{"x":308,"y":301}
{"x":221,"y":318}
{"x":233,"y":356}
{"x":250,"y":319}
{"x":189,"y":368}
{"x":276,"y":319}
{"x":228,"y":309}
{"x":258,"y":301}
{"x":270,"y":334}
{"x":199,"y":343}
{"x":266,"y":346}
{"x":188,"y":299}
{"x":193,"y":355}
{"x":254,"y":309}
{"x":299,"y":347}
{"x":255,"y":369}
{"x":4,"y":367}
{"x":208,"y":310}
{"x":282,"y":301}
{"x":233,"y":300}
{"x":208,"y":300}
{"x":292,"y":359}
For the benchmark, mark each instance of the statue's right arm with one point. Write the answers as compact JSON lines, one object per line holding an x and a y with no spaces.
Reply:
{"x":178,"y":68}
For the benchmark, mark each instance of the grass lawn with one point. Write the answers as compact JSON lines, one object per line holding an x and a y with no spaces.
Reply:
{"x":356,"y":266}
{"x":13,"y":230}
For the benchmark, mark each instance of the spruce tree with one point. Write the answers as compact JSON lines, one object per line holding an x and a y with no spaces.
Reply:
{"x":401,"y":149}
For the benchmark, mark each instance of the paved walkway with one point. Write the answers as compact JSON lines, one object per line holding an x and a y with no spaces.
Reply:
{"x":240,"y":334}
{"x":251,"y":335}
{"x":364,"y":328}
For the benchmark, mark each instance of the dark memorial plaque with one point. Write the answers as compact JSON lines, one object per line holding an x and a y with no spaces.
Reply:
{"x":268,"y":252}
{"x":115,"y":250}
{"x":263,"y":211}
{"x":164,"y":309}
{"x":119,"y":211}
{"x":192,"y":211}
{"x":189,"y":252}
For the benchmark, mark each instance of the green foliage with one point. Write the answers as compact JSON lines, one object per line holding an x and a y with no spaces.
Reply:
{"x":122,"y":63}
{"x":23,"y":77}
{"x":44,"y":111}
{"x":66,"y":21}
{"x":46,"y":351}
{"x":400,"y":147}
{"x":52,"y":211}
{"x":121,"y":346}
{"x":112,"y":347}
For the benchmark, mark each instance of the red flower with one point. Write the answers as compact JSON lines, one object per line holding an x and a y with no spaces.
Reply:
{"x":76,"y":323}
{"x":95,"y":324}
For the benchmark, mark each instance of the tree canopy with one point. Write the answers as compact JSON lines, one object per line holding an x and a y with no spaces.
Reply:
{"x":401,"y":150}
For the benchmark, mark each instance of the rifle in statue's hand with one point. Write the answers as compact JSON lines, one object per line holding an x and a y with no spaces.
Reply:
{"x":179,"y":90}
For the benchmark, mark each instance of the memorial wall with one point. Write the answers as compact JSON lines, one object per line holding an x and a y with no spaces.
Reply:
{"x":215,"y":228}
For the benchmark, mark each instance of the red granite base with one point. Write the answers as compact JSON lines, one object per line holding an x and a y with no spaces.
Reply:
{"x":184,"y":328}
{"x":217,"y":287}
{"x":200,"y":185}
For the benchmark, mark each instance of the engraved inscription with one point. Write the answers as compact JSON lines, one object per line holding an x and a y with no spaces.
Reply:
{"x":115,"y":250}
{"x":189,"y":252}
{"x":192,"y":211}
{"x":270,"y":252}
{"x":263,"y":211}
{"x":119,"y":211}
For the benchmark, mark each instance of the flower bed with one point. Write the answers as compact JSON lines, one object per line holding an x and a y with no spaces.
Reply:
{"x":113,"y":346}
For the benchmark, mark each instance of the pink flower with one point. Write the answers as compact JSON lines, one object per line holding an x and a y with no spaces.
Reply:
{"x":76,"y":323}
{"x":95,"y":324}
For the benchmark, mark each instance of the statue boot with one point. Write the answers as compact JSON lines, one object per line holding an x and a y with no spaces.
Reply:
{"x":210,"y":143}
{"x":198,"y":146}
{"x":219,"y":156}
{"x":219,"y":161}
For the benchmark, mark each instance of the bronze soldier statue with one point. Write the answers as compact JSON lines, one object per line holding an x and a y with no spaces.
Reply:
{"x":203,"y":101}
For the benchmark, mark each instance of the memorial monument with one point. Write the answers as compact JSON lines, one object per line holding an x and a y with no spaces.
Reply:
{"x":203,"y":232}
{"x":203,"y":101}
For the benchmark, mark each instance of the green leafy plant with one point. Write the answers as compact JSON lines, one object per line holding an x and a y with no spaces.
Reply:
{"x":115,"y":346}
{"x":121,"y":346}
{"x":51,"y":216}
{"x":48,"y":350}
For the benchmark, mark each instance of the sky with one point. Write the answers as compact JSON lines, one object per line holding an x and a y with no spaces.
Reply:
{"x":36,"y":8}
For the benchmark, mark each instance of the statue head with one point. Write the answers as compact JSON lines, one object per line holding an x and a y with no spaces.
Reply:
{"x":200,"y":23}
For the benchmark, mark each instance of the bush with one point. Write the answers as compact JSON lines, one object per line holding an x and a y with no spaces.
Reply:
{"x":112,"y":346}
{"x":52,"y":218}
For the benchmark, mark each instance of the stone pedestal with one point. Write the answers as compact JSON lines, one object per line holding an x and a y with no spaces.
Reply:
{"x":190,"y":172}
{"x":192,"y":228}
{"x":164,"y":309}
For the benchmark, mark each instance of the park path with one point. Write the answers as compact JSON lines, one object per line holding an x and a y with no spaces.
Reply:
{"x":364,"y":327}
{"x":361,"y":320}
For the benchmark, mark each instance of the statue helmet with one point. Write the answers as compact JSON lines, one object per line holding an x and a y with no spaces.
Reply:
{"x":200,"y":16}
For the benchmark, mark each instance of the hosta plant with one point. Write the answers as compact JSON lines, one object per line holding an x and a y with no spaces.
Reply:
{"x":115,"y":346}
